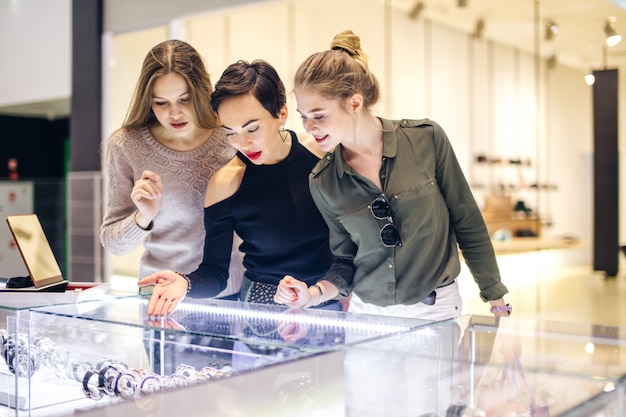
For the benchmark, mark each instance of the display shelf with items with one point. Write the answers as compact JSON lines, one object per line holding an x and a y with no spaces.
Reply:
{"x":17,"y":364}
{"x":502,"y":215}
{"x":468,"y":367}
{"x":509,"y":194}
{"x":98,"y":353}
{"x":18,"y":361}
{"x":9,"y":366}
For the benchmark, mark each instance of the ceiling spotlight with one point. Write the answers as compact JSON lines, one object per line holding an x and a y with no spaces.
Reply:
{"x":552,"y":29}
{"x":590,"y":79}
{"x":612,"y":38}
{"x":415,"y":12}
{"x":461,"y":3}
{"x":479,"y":28}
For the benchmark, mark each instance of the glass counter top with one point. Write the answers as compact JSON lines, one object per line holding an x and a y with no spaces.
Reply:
{"x":256,"y":323}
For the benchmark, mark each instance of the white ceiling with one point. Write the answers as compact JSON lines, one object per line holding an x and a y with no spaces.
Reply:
{"x":50,"y":109}
{"x":518,"y":23}
{"x":521,"y":24}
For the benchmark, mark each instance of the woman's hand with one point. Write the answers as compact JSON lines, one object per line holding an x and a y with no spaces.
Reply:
{"x":147,"y":194}
{"x":169,"y":289}
{"x":499,"y":308}
{"x":166,"y":323}
{"x":292,"y":292}
{"x":293,"y":330}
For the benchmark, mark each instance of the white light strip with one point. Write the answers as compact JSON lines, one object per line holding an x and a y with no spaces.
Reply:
{"x":383,"y":328}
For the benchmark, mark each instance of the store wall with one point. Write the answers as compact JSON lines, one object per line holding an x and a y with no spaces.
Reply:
{"x":36,"y":50}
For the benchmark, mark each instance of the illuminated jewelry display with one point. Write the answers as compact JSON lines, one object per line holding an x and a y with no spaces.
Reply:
{"x":108,"y":378}
{"x":90,"y":385}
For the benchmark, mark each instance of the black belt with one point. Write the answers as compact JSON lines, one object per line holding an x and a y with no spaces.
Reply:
{"x":432,"y":297}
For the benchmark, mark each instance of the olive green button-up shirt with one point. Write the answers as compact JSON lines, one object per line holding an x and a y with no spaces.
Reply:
{"x":432,"y":206}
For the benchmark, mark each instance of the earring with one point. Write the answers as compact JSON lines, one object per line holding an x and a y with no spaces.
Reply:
{"x":283,"y":137}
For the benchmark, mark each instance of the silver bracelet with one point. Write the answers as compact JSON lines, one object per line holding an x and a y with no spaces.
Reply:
{"x":188,"y":282}
{"x":319,"y":289}
{"x":502,"y":309}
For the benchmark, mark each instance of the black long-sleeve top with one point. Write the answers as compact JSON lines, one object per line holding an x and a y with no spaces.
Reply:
{"x":282,"y":230}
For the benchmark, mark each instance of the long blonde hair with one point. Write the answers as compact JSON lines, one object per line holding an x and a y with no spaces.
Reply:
{"x":178,"y":57}
{"x":340,"y":72}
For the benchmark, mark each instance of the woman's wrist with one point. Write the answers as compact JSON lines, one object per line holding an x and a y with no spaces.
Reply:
{"x":188,"y":281}
{"x":501,"y":309}
{"x":140,"y":222}
{"x":316,"y":295}
{"x":320,"y":297}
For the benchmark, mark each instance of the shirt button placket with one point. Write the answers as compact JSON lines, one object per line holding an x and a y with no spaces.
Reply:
{"x":382,"y":170}
{"x":391,"y":286}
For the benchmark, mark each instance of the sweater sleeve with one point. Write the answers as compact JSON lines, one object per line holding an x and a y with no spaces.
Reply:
{"x":119,"y":233}
{"x":211,"y":276}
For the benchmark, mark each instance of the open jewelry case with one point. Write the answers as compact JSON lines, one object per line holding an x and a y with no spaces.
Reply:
{"x":220,"y":358}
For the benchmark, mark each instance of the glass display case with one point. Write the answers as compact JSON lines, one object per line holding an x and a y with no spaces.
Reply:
{"x":9,"y":315}
{"x":468,"y":367}
{"x":98,"y":353}
{"x":222,"y":358}
{"x":15,"y":308}
{"x":477,"y":366}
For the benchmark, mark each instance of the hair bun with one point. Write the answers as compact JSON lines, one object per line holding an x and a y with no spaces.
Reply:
{"x":347,"y":42}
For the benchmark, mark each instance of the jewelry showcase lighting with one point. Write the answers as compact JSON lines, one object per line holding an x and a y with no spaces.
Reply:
{"x":321,"y":320}
{"x":479,"y":28}
{"x":552,"y":29}
{"x":612,"y":38}
{"x":416,"y":11}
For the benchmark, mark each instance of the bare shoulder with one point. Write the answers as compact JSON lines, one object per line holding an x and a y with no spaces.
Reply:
{"x":308,"y":141}
{"x":225,"y":182}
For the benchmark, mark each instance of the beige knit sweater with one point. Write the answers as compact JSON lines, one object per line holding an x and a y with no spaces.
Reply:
{"x":176,"y":240}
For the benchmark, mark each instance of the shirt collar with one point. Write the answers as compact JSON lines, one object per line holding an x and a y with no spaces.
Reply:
{"x":390,"y":147}
{"x":390,"y":142}
{"x":339,"y":164}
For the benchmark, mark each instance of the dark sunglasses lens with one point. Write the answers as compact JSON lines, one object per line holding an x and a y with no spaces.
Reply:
{"x":380,"y":208}
{"x":389,"y":235}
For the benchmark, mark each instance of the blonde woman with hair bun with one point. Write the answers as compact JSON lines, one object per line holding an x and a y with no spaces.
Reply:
{"x":393,"y":195}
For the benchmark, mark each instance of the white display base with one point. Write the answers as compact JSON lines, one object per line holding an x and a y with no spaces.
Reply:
{"x":41,"y":391}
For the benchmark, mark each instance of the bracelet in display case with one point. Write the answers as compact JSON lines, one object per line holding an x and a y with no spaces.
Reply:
{"x":23,"y":360}
{"x":92,"y":389}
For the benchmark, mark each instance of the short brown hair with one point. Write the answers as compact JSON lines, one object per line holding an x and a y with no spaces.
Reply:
{"x":258,"y":78}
